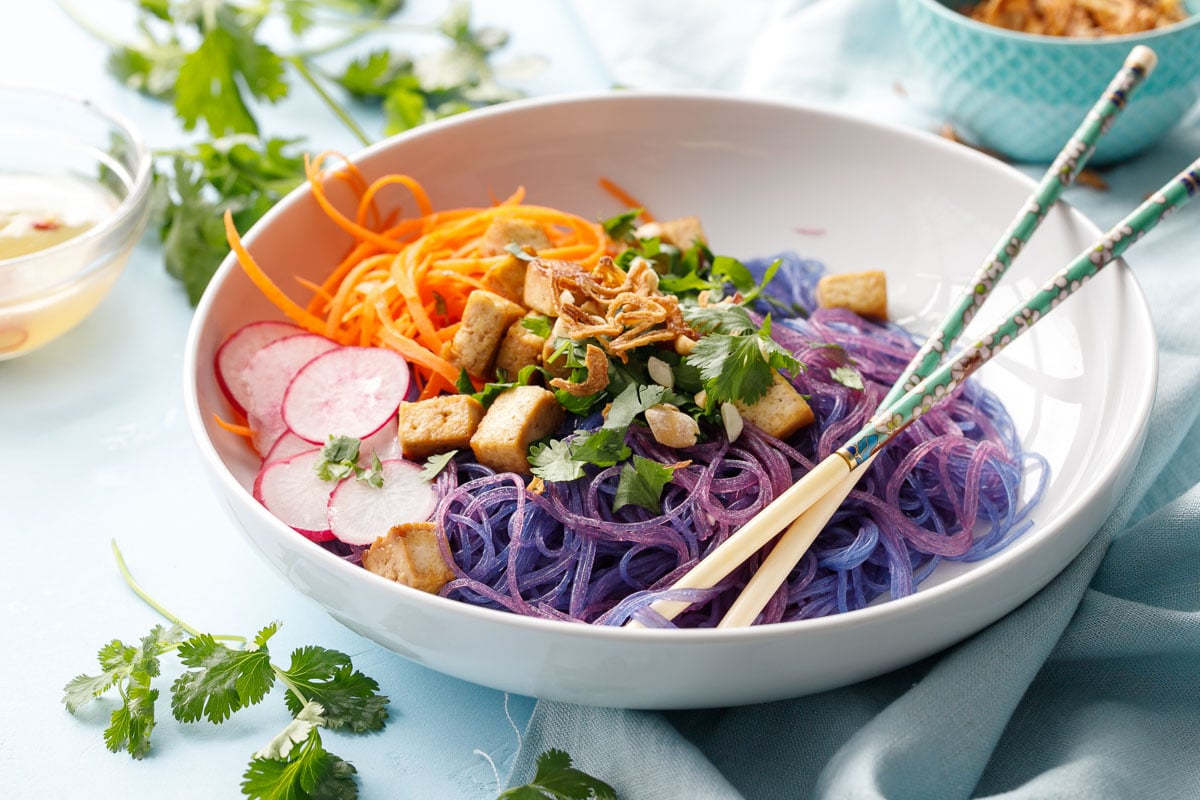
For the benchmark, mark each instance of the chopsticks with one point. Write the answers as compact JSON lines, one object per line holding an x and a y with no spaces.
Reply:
{"x":800,"y":535}
{"x":821,"y":491}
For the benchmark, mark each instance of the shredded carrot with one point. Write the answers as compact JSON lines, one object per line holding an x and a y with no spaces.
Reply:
{"x":240,"y":430}
{"x":404,"y":280}
{"x":625,"y":197}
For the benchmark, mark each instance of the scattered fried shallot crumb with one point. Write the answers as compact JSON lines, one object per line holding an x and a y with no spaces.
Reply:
{"x":1078,"y":18}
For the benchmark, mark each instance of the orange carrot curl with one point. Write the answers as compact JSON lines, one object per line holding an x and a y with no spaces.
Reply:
{"x":404,"y":281}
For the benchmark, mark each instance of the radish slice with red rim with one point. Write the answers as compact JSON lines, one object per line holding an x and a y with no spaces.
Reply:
{"x":384,"y":443}
{"x":287,"y":446}
{"x":360,"y":513}
{"x":350,"y":391}
{"x":291,"y":490}
{"x":267,"y":377}
{"x":236,"y":352}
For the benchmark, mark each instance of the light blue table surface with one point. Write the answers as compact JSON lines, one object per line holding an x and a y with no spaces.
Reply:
{"x":95,"y":447}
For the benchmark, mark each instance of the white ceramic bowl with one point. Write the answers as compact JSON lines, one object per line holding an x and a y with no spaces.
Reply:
{"x":763,"y":177}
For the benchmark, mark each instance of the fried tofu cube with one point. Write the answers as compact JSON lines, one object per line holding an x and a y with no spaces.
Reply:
{"x":520,"y":348}
{"x":485,"y":319}
{"x":507,"y":279}
{"x":505,"y":231}
{"x":438,"y":425}
{"x":683,"y":232}
{"x":780,"y":412}
{"x":410,"y":554}
{"x":864,"y":293}
{"x":517,"y":418}
{"x":539,"y":294}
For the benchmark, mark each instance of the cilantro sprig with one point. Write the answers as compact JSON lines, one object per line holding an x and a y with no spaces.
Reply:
{"x":218,"y":68}
{"x":736,"y":358}
{"x":323,"y":691}
{"x":556,"y":779}
{"x":339,"y":460}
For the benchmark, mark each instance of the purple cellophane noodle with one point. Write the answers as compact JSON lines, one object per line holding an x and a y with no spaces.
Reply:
{"x":947,"y":488}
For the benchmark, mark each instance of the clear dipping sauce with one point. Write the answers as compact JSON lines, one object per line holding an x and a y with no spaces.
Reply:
{"x":46,"y":289}
{"x":40,"y":211}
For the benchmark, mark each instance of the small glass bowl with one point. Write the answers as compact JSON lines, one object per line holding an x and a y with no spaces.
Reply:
{"x":61,"y":138}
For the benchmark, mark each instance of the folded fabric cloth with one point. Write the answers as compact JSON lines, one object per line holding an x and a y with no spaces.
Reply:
{"x":1091,"y":689}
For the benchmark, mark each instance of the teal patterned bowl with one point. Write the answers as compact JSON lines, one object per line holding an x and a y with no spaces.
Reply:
{"x":1023,"y":95}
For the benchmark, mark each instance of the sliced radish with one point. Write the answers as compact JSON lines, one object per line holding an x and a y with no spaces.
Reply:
{"x":267,"y":377}
{"x":350,"y":391}
{"x":287,"y":446}
{"x":360,"y":513}
{"x":291,"y":490}
{"x":384,"y":443}
{"x":236,"y":352}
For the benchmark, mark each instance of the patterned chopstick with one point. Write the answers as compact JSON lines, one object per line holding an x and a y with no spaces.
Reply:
{"x":1075,"y":154}
{"x":830,"y":473}
{"x":801,"y":533}
{"x":946,"y":378}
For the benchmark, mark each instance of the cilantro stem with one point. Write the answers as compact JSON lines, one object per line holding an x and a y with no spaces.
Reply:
{"x":339,"y":111}
{"x":355,"y":30}
{"x":283,"y":678}
{"x":154,"y":604}
{"x":88,"y":26}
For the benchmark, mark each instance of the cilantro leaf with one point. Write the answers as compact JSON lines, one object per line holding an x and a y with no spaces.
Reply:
{"x":620,"y":228}
{"x":641,"y":484}
{"x":309,"y":771}
{"x":733,"y":271}
{"x":633,"y":400}
{"x":213,"y":78}
{"x":339,"y":458}
{"x":223,"y":681}
{"x":554,"y":461}
{"x":556,"y":779}
{"x":847,"y":376}
{"x":192,"y":188}
{"x":720,"y":318}
{"x":130,"y":725}
{"x":435,"y":464}
{"x":740,"y":367}
{"x":349,"y":698}
{"x":603,"y":448}
{"x":130,"y":670}
{"x":537,"y":324}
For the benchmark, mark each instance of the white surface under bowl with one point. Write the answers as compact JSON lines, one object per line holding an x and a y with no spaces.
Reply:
{"x":763,"y":177}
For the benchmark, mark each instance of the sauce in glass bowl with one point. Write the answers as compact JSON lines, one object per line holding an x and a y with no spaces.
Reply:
{"x":38,"y":212}
{"x":74,"y":199}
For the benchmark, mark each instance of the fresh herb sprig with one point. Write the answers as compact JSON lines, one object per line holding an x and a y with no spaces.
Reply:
{"x":556,"y":779}
{"x":323,"y":691}
{"x":214,"y":64}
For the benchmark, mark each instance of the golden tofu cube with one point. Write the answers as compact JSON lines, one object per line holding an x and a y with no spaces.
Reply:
{"x":505,"y":231}
{"x":520,"y":348}
{"x":780,"y":412}
{"x":485,"y":319}
{"x":507,"y":279}
{"x":516,"y":419}
{"x":864,"y":293}
{"x":438,"y":425}
{"x":410,"y":554}
{"x":683,"y":232}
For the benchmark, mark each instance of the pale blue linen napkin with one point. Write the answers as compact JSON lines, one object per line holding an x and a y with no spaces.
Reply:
{"x":1089,"y":690}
